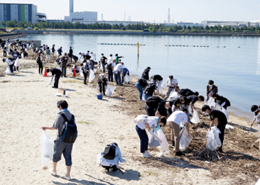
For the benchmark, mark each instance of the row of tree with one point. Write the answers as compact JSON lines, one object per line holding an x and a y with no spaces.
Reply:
{"x":150,"y":27}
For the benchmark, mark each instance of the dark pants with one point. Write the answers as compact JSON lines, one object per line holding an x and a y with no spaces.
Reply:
{"x":40,"y":67}
{"x":17,"y":68}
{"x":117,"y":78}
{"x":63,"y":70}
{"x":56,"y":80}
{"x":104,"y":68}
{"x":114,"y":168}
{"x":221,"y":127}
{"x":12,"y":68}
{"x":85,"y":77}
{"x":149,"y":111}
{"x":143,"y":139}
{"x":140,"y":89}
{"x":110,"y":75}
{"x":102,"y":88}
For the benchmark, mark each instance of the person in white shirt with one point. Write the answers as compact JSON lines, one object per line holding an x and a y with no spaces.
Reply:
{"x":117,"y":72}
{"x":93,"y":56}
{"x":140,"y":129}
{"x":176,"y":120}
{"x":10,"y":64}
{"x":171,"y":84}
{"x":175,"y":94}
{"x":110,"y":65}
{"x":110,"y":163}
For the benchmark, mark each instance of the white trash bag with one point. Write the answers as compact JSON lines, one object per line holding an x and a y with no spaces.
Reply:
{"x":153,"y":140}
{"x":91,"y":76}
{"x":17,"y":63}
{"x":8,"y":71}
{"x":22,"y":55}
{"x":211,"y":102}
{"x":110,"y":90}
{"x":140,"y":119}
{"x":213,"y":141}
{"x":195,"y":117}
{"x":127,"y":78}
{"x":46,"y":149}
{"x":95,"y":71}
{"x":81,"y":72}
{"x":225,"y":112}
{"x":164,"y":146}
{"x":185,"y":139}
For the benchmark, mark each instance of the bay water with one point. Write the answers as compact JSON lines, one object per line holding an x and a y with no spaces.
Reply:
{"x":232,"y":62}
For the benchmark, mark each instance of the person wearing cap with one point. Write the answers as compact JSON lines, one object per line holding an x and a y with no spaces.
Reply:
{"x":255,"y":109}
{"x":64,"y":62}
{"x":55,"y":72}
{"x":145,"y":74}
{"x":103,"y":62}
{"x":171,"y":84}
{"x":157,"y":79}
{"x":211,"y":89}
{"x":219,"y":120}
{"x":175,"y":121}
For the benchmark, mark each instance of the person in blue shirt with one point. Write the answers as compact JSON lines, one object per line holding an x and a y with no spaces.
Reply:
{"x":124,"y":72}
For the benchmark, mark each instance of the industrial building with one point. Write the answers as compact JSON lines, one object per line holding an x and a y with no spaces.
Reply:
{"x":80,"y":16}
{"x":20,"y":12}
{"x":230,"y":23}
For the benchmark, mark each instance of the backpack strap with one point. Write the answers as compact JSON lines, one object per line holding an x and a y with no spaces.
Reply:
{"x":65,"y":118}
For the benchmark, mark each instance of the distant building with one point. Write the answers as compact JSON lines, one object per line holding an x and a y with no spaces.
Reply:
{"x":125,"y":23}
{"x":20,"y":12}
{"x":55,"y":20}
{"x":230,"y":23}
{"x":182,"y":24}
{"x":80,"y":16}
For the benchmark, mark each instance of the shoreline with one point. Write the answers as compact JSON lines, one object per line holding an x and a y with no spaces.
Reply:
{"x":134,"y":33}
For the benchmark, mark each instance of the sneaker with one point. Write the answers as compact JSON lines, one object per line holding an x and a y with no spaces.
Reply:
{"x":148,"y":153}
{"x":161,"y":155}
{"x":145,"y":155}
{"x":53,"y":173}
{"x":179,"y":153}
{"x":66,"y":177}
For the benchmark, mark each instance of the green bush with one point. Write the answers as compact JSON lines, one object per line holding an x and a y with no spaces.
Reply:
{"x":35,"y":28}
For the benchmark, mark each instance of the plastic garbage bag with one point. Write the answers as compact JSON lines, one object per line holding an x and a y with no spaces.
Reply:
{"x":22,"y":55}
{"x":91,"y":76}
{"x":153,"y":141}
{"x":225,"y":112}
{"x":211,"y":102}
{"x":110,"y":90}
{"x":17,"y":63}
{"x":81,"y":72}
{"x":50,"y":82}
{"x":46,"y":149}
{"x":101,"y":68}
{"x":258,"y":182}
{"x":213,"y":141}
{"x":229,"y":127}
{"x":140,"y":119}
{"x":127,"y":79}
{"x":185,"y":139}
{"x":195,"y":117}
{"x":8,"y":71}
{"x":95,"y":71}
{"x":164,"y":147}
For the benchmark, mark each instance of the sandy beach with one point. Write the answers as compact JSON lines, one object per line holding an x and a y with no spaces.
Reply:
{"x":27,"y":105}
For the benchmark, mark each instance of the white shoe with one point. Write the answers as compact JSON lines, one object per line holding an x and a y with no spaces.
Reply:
{"x":161,"y":155}
{"x":66,"y":177}
{"x":148,"y":153}
{"x":145,"y":155}
{"x":52,"y":172}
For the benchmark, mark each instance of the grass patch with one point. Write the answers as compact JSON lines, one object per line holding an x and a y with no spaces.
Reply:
{"x":79,"y":93}
{"x":84,"y":122}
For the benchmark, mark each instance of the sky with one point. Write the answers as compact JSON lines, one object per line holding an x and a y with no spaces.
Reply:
{"x":153,"y":10}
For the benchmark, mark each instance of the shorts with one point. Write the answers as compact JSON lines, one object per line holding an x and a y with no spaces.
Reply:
{"x":62,"y":148}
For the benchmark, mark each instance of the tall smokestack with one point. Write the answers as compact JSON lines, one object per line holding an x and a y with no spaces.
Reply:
{"x":71,"y":6}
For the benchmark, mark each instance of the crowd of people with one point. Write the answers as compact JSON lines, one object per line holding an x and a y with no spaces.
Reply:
{"x":174,"y":109}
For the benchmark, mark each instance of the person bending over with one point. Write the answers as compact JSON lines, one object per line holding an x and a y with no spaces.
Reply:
{"x":140,"y":85}
{"x":222,"y":101}
{"x":211,"y":89}
{"x":57,"y":73}
{"x":219,"y":119}
{"x":256,"y":110}
{"x":102,"y":82}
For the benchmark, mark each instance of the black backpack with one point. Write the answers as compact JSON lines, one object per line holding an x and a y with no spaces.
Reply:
{"x":38,"y":60}
{"x":110,"y":151}
{"x":153,"y":101}
{"x":150,"y":89}
{"x":143,"y":82}
{"x":69,"y":131}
